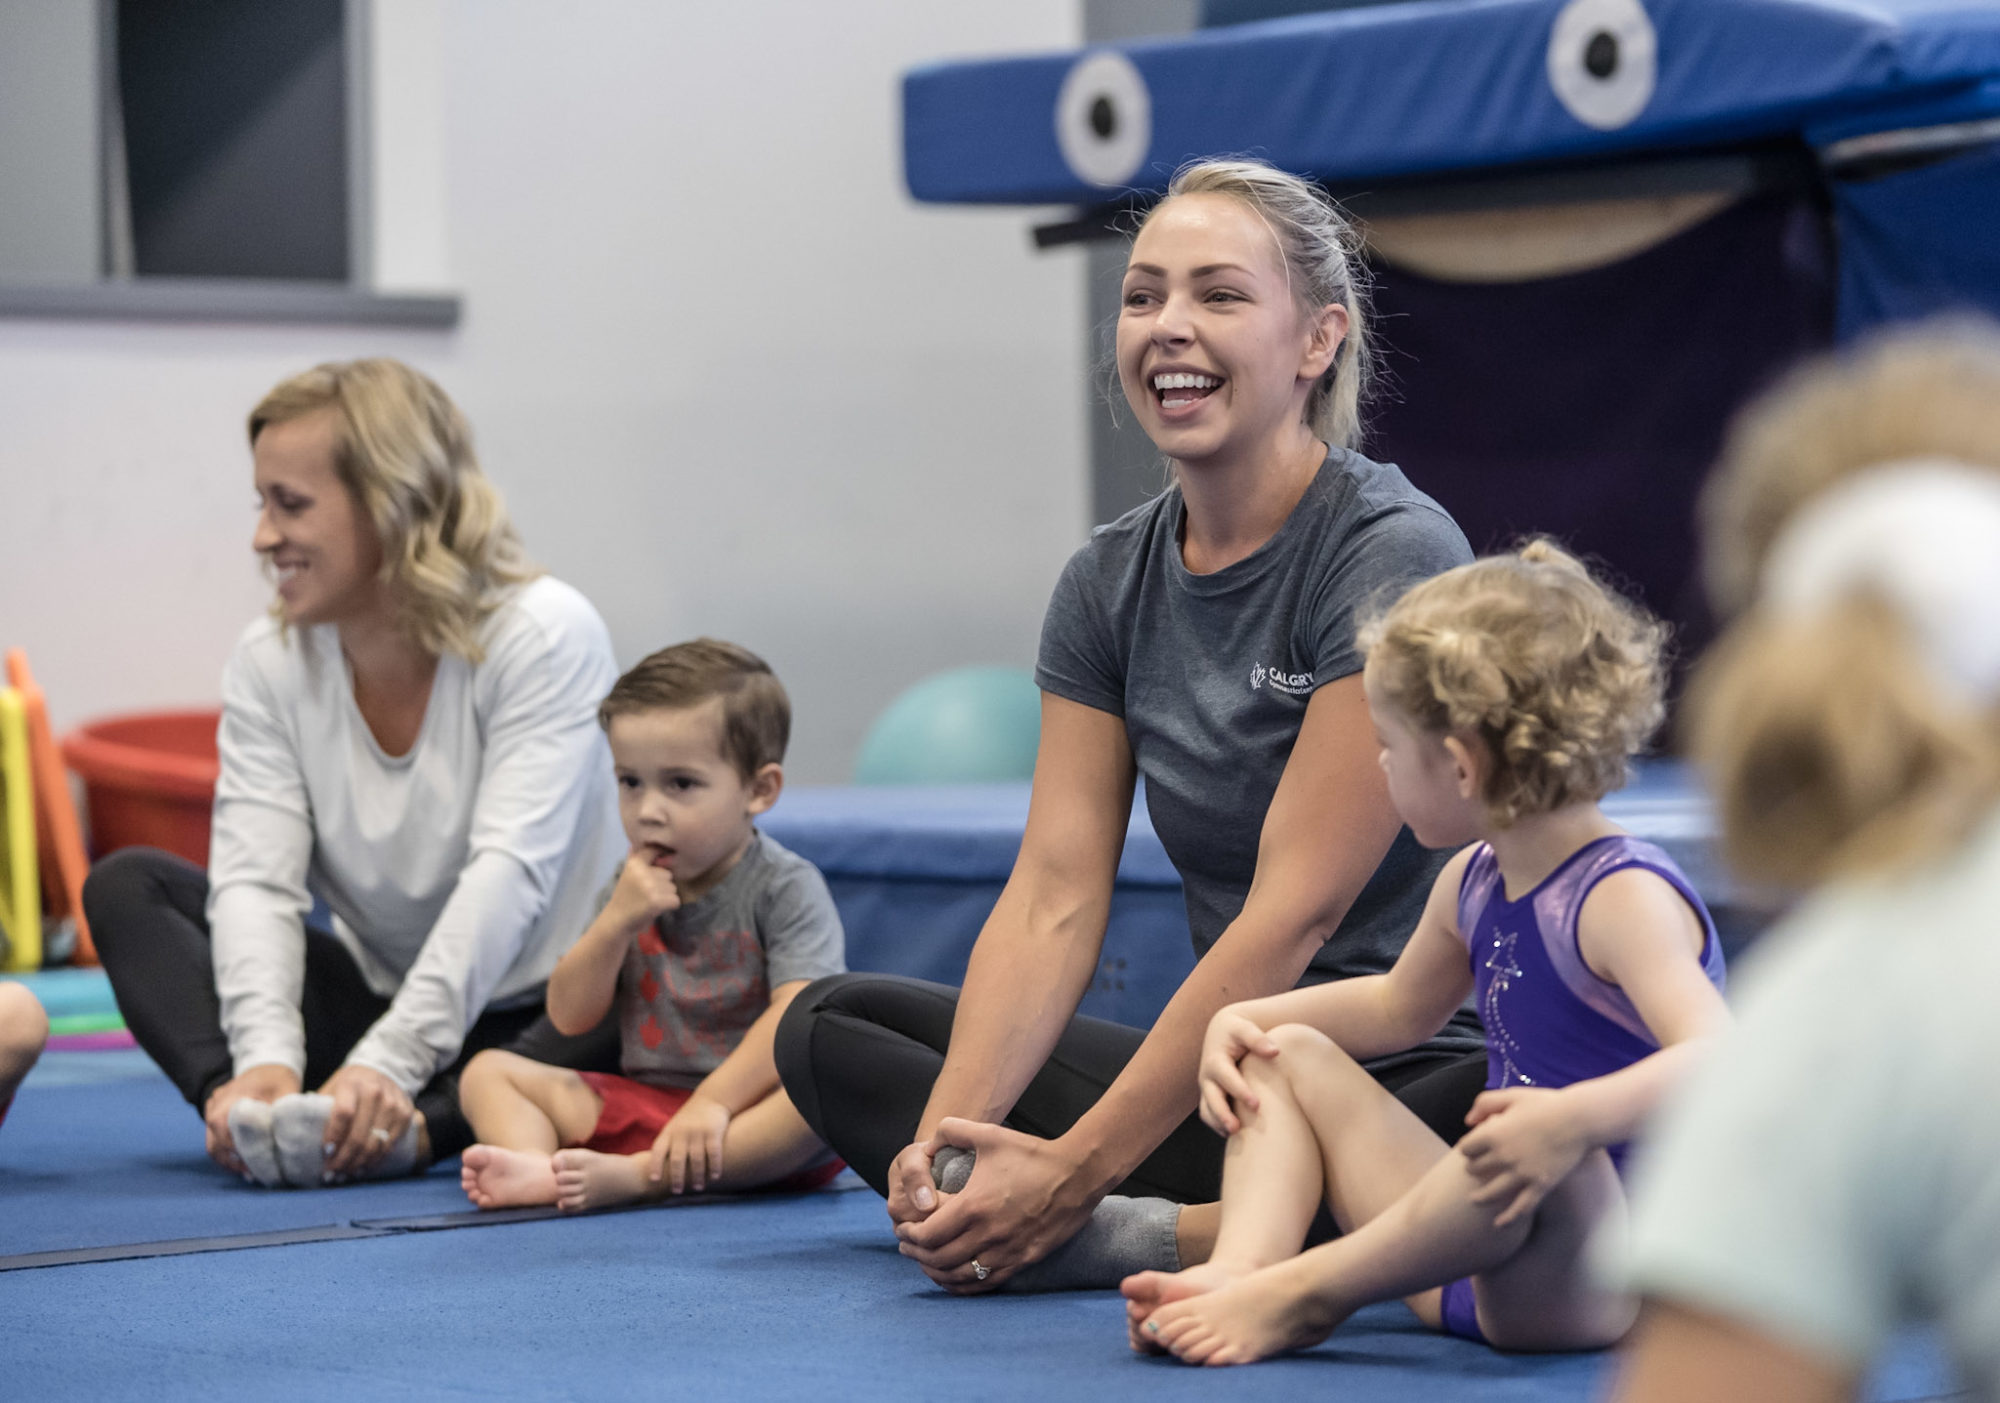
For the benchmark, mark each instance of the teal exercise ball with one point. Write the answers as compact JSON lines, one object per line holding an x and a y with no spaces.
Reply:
{"x":968,"y":726}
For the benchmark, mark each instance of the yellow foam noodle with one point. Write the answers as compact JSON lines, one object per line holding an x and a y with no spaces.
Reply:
{"x":20,"y":873}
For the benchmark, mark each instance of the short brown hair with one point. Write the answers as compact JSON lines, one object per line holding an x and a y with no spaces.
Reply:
{"x":1559,"y":676}
{"x":756,"y":713}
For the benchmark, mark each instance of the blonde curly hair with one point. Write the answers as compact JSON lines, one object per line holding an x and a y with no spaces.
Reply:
{"x":1827,"y":747}
{"x":1560,"y":678}
{"x":403,"y":449}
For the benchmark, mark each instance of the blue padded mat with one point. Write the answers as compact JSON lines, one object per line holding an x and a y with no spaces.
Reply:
{"x":783,"y":1299}
{"x":1387,"y":90}
{"x":776,"y":1296}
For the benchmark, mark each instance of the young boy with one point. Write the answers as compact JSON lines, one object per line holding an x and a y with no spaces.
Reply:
{"x":709,"y":931}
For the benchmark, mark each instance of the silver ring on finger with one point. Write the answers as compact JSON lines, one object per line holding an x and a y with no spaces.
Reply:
{"x":980,"y":1273}
{"x":378,"y":1133}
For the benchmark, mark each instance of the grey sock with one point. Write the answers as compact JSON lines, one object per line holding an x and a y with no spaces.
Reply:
{"x":1124,"y":1235}
{"x":250,"y":1130}
{"x":298,"y":1125}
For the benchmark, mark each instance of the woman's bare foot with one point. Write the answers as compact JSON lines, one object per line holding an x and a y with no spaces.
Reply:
{"x":1253,"y":1317}
{"x":497,"y":1178}
{"x":1146,"y":1291}
{"x":588,"y":1179}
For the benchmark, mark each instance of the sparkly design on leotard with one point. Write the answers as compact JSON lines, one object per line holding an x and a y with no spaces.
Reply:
{"x":1500,"y":1042}
{"x":1549,"y":1019}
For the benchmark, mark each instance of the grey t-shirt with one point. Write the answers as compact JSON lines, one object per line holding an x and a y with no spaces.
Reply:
{"x":1212,"y":673}
{"x":695,"y":981}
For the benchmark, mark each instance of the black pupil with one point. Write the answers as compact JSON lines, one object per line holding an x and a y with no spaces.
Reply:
{"x":1103,"y":118}
{"x":1600,"y":56}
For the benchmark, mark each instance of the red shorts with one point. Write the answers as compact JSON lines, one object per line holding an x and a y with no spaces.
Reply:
{"x":634,"y":1114}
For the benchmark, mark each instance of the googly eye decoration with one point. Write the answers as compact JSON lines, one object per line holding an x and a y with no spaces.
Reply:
{"x":1104,"y":119}
{"x":1603,"y":61}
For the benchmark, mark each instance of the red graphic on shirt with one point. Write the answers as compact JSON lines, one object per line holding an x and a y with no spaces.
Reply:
{"x":651,"y":946}
{"x":699,"y":994}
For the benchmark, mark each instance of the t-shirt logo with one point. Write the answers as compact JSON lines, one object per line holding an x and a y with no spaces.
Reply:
{"x":1297,"y":684}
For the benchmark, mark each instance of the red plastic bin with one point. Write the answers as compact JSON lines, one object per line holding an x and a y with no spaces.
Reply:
{"x":148,"y":779}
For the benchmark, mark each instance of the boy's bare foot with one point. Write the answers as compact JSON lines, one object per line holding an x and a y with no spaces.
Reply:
{"x":1146,"y":1291}
{"x":588,"y":1179}
{"x":1253,"y":1317}
{"x":497,"y":1178}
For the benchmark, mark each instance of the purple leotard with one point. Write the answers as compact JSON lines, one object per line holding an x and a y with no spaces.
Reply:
{"x":1549,"y":1020}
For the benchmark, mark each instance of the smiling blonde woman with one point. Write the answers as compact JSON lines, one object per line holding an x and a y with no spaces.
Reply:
{"x":1207,"y":642}
{"x":410,"y":738}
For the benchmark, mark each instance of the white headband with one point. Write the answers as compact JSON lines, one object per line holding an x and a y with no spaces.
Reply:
{"x":1925,"y":535}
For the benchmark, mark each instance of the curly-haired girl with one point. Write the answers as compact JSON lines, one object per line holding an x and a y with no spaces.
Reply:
{"x":1506,"y":697}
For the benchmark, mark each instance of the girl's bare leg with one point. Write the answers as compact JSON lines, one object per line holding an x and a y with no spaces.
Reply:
{"x":1528,"y":1278}
{"x":1323,"y":1128}
{"x":521,"y":1111}
{"x":768,"y":1142}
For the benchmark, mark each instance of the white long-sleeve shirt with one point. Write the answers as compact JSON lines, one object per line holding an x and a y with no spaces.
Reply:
{"x":457,"y":873}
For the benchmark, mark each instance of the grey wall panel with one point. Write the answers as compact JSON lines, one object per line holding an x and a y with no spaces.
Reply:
{"x":49,"y":225}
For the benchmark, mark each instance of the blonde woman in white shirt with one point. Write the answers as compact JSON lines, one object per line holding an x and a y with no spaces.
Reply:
{"x":411,"y":737}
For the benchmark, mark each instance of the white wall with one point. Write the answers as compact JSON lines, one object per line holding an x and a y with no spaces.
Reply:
{"x":731,"y":379}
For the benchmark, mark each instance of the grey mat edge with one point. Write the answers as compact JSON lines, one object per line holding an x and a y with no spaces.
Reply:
{"x":185,"y":1246}
{"x":359,"y":1228}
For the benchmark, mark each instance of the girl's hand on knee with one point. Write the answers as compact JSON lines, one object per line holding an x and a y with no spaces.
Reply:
{"x":1230,"y":1038}
{"x":1523,"y":1143}
{"x":688,"y":1151}
{"x":261,"y":1083}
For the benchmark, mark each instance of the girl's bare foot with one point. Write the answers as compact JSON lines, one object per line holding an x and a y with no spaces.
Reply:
{"x":1146,"y":1291}
{"x":1250,"y":1318}
{"x":588,"y":1179}
{"x":497,"y":1178}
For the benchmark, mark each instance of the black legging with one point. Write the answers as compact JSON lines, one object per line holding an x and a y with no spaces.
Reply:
{"x":148,"y":916}
{"x":858,"y":1054}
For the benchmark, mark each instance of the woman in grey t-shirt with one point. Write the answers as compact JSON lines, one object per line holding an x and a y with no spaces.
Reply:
{"x":1205,"y":641}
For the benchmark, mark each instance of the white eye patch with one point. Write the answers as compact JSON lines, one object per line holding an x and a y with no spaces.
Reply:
{"x":1603,"y":61}
{"x":1104,"y":119}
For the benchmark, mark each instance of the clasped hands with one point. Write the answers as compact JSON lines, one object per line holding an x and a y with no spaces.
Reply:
{"x":1024,"y":1199}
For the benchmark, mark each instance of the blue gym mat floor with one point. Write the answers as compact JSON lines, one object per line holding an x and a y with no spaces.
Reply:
{"x":782,"y":1298}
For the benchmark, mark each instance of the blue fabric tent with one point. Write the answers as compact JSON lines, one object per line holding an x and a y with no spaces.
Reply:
{"x":1584,"y":401}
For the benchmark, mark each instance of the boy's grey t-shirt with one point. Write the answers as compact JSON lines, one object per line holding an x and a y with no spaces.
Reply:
{"x":695,"y":980}
{"x":1212,"y":673}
